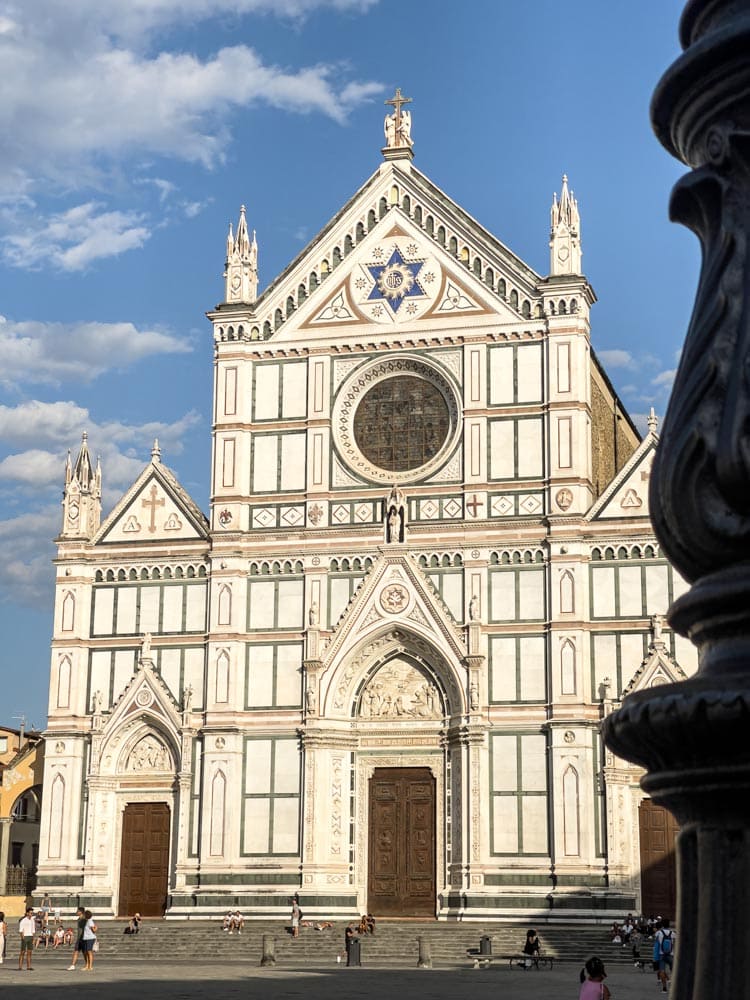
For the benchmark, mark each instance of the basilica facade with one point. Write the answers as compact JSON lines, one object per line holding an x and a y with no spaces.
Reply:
{"x":374,"y":673}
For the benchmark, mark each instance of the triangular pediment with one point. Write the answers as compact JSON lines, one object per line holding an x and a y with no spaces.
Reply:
{"x":155,"y":509}
{"x":394,"y":594}
{"x":658,"y":667}
{"x":627,"y":494}
{"x":399,"y":254}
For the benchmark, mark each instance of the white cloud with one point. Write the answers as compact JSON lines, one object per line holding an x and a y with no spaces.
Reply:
{"x":35,"y":467}
{"x":665,"y":379}
{"x":85,"y":84}
{"x":616,"y":359}
{"x":26,"y":543}
{"x":36,"y":352}
{"x":75,"y":238}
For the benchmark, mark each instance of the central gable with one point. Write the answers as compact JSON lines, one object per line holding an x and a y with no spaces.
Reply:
{"x":397,"y":277}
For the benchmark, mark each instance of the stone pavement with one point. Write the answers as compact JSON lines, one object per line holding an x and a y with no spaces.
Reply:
{"x":241,"y":981}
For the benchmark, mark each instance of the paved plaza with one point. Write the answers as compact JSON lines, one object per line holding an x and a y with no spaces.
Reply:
{"x":120,"y":980}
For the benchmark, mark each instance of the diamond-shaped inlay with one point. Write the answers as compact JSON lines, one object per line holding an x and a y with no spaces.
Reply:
{"x":291,"y":515}
{"x":364,"y":512}
{"x":531,"y":504}
{"x":264,"y":517}
{"x":501,"y":506}
{"x":429,"y":509}
{"x":340,"y":514}
{"x":452,"y":508}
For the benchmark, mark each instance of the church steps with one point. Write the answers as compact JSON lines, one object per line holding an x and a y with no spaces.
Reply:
{"x":395,"y":943}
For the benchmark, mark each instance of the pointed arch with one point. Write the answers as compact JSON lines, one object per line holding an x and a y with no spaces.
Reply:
{"x":218,"y":814}
{"x":571,"y":813}
{"x":567,"y":593}
{"x":63,"y":682}
{"x":56,"y":817}
{"x":224,"y":615}
{"x":222,"y":678}
{"x":68,"y":612}
{"x":568,"y":667}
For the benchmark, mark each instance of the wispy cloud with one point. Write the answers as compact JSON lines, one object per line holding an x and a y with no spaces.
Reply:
{"x":34,"y":352}
{"x":75,"y":238}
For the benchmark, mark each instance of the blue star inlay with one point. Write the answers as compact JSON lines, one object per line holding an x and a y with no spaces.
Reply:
{"x":395,"y":280}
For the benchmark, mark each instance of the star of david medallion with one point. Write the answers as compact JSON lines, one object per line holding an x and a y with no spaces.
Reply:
{"x":394,"y":599}
{"x":395,"y":280}
{"x":389,"y":284}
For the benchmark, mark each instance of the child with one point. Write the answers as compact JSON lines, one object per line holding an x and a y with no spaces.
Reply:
{"x":593,"y":988}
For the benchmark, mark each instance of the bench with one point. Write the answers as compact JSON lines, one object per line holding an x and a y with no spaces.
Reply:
{"x":517,"y":959}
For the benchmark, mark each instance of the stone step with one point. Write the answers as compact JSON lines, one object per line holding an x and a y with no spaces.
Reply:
{"x":394,"y":942}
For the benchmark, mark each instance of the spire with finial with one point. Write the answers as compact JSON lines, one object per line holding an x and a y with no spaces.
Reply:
{"x":156,"y":451}
{"x":82,"y":496}
{"x":241,"y":268}
{"x":565,"y":233}
{"x":653,"y":422}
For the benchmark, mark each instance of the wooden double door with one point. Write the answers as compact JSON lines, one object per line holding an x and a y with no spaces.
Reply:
{"x":401,"y":855}
{"x":144,"y":859}
{"x":658,"y":833}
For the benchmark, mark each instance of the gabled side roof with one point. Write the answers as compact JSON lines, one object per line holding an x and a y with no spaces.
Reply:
{"x":627,"y":494}
{"x":155,"y":508}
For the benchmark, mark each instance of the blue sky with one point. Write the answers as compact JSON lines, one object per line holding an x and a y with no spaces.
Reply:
{"x":132,"y":132}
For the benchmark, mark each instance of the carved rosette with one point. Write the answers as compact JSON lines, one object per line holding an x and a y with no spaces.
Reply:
{"x":692,"y":737}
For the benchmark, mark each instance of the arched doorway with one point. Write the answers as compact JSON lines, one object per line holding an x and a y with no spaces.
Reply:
{"x":144,"y":859}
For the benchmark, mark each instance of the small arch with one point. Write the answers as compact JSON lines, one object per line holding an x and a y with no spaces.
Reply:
{"x":110,"y":576}
{"x":371,"y":219}
{"x":191,"y":572}
{"x":63,"y":682}
{"x":562,"y":307}
{"x":224,"y":613}
{"x":68,"y":612}
{"x":393,"y":195}
{"x":301,"y":294}
{"x":133,"y":574}
{"x":155,"y":573}
{"x":571,"y":812}
{"x":179,"y":573}
{"x":622,"y":553}
{"x":596,"y":555}
{"x":567,"y":593}
{"x":266,"y":330}
{"x":539,"y":311}
{"x":514,"y":299}
{"x":289,"y":306}
{"x":325,"y":269}
{"x":382,"y":207}
{"x":336,"y":257}
{"x":217,"y":815}
{"x":465,"y":255}
{"x":502,"y":287}
{"x":418,"y":215}
{"x":222,"y":678}
{"x":56,"y":816}
{"x":477,"y":267}
{"x":230,"y":333}
{"x":441,"y":235}
{"x":430,"y":226}
{"x":144,"y":573}
{"x":489,"y":277}
{"x":516,"y":558}
{"x":313,"y":281}
{"x":453,"y":245}
{"x":526,"y":309}
{"x":609,"y":553}
{"x":98,"y":577}
{"x":360,"y":232}
{"x":121,"y":574}
{"x":348,"y":245}
{"x":567,"y":668}
{"x":406,"y":204}
{"x":574,"y":305}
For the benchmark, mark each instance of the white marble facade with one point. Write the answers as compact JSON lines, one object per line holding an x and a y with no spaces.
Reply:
{"x":411,"y":560}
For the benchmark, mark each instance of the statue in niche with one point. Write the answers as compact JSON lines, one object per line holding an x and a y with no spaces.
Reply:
{"x":97,"y":701}
{"x":148,"y":755}
{"x":310,"y":700}
{"x":474,"y":608}
{"x":657,"y":624}
{"x":395,"y":516}
{"x":400,"y":691}
{"x":474,"y":697}
{"x":187,"y":698}
{"x":313,"y":614}
{"x":146,"y":647}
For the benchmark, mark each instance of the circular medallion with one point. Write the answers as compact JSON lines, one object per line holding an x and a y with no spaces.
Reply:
{"x":570,"y":736}
{"x":564,"y":498}
{"x":144,"y":698}
{"x":59,"y":747}
{"x":397,"y":421}
{"x":225,"y":518}
{"x":220,"y":742}
{"x":394,"y":598}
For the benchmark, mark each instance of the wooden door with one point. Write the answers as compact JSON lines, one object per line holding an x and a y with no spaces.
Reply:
{"x":401,"y":877}
{"x":144,"y":859}
{"x":658,"y":833}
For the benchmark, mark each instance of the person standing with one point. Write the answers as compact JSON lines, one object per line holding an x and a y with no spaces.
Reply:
{"x":89,"y":940}
{"x":296,"y":915}
{"x":664,"y":953}
{"x":78,"y":950}
{"x":26,"y":928}
{"x":3,"y":936}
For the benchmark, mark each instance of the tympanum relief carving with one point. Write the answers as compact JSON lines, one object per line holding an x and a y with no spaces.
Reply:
{"x":399,"y":690}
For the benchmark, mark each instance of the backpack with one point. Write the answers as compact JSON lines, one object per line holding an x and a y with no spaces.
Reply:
{"x":666,"y":943}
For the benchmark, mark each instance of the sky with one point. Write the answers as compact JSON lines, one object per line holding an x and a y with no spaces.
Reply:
{"x":131,"y":133}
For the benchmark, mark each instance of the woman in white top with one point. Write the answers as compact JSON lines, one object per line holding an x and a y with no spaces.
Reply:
{"x":3,"y":936}
{"x":89,"y":938}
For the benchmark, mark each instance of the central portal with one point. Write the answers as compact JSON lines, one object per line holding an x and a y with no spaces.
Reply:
{"x":401,"y":877}
{"x":144,"y":866}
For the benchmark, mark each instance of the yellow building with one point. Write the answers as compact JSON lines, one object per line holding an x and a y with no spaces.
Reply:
{"x":21,"y":770}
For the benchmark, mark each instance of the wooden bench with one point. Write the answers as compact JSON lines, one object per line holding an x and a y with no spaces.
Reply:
{"x":517,"y":959}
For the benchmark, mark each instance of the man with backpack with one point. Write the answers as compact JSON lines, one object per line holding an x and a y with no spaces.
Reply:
{"x":663,"y":953}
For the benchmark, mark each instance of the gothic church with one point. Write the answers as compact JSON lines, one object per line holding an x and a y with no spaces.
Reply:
{"x":374,"y":673}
